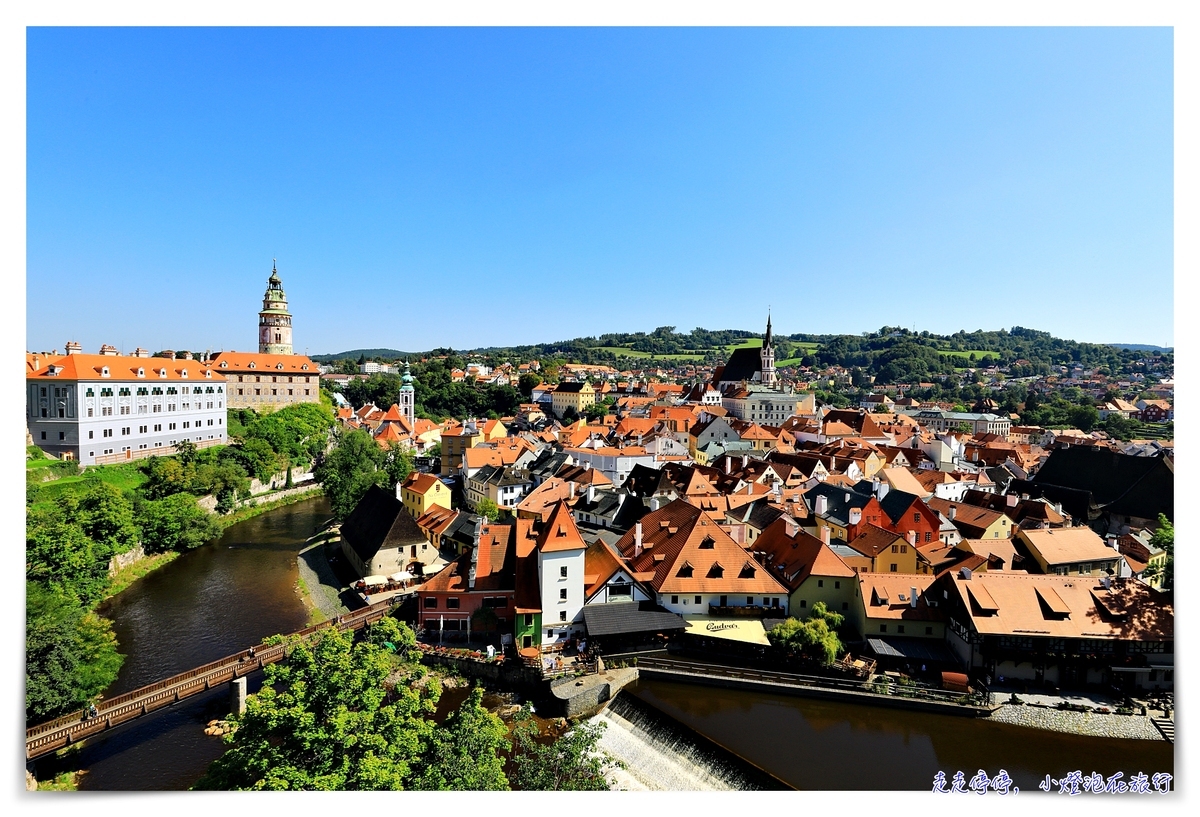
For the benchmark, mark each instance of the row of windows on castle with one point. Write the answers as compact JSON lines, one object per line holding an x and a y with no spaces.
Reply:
{"x":128,"y":430}
{"x":150,"y":399}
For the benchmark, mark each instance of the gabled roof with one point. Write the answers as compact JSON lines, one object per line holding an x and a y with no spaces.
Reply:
{"x":679,"y":533}
{"x":1120,"y":483}
{"x":793,"y":557}
{"x":542,"y":499}
{"x":873,"y":540}
{"x":888,"y":595}
{"x":421,"y":483}
{"x":1068,"y":545}
{"x":559,"y":532}
{"x":379,"y":521}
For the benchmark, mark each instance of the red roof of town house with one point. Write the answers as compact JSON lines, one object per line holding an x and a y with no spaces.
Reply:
{"x":793,"y":557}
{"x":600,"y":563}
{"x":542,"y":499}
{"x":528,"y":594}
{"x":559,"y":532}
{"x":420,"y":482}
{"x":886,"y":595}
{"x":685,"y":550}
{"x":435,"y":521}
{"x":873,"y":540}
{"x":582,"y":475}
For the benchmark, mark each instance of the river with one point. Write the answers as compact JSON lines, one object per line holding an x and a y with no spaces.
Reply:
{"x":206,"y":604}
{"x":227,"y":595}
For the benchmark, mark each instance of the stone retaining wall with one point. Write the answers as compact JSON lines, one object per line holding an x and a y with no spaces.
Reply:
{"x":124,"y":560}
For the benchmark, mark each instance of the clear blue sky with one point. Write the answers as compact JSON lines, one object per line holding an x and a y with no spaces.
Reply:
{"x":471,"y":187}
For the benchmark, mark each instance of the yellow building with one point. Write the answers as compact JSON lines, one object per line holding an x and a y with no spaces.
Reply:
{"x":885,"y":605}
{"x":455,"y":441}
{"x":888,"y":551}
{"x":1069,"y":551}
{"x":420,"y":492}
{"x":572,"y":395}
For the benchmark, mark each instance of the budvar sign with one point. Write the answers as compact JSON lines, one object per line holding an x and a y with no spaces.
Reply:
{"x":717,"y":626}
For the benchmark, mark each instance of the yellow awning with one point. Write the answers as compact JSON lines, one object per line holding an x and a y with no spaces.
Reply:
{"x":746,"y":630}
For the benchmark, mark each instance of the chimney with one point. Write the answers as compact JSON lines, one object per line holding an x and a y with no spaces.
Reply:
{"x":912,"y":597}
{"x":728,"y":464}
{"x":821,"y":506}
{"x":398,"y":492}
{"x":587,"y":466}
{"x":591,"y":494}
{"x":953,"y":512}
{"x":825,"y":535}
{"x":912,"y":537}
{"x":1112,"y":542}
{"x":654,"y":503}
{"x":637,"y":539}
{"x":855,"y":516}
{"x":572,"y":489}
{"x":1011,"y":500}
{"x":875,"y":486}
{"x":965,"y":573}
{"x":791,"y":527}
{"x":74,"y":347}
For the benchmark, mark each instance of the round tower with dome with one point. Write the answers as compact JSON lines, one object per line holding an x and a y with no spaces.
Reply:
{"x":274,"y":321}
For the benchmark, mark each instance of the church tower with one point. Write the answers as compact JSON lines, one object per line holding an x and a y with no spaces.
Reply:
{"x":275,"y":322}
{"x":408,"y":399}
{"x":768,"y":357}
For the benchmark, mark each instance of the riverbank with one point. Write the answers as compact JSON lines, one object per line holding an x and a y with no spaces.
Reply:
{"x":324,"y":595}
{"x":289,"y":496}
{"x":1087,"y":724}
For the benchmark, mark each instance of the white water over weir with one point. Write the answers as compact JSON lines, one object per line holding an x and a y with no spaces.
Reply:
{"x":659,"y":755}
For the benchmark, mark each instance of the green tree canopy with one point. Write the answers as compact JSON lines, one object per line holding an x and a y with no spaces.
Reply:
{"x":814,"y":638}
{"x":571,"y":763}
{"x":465,"y":754}
{"x":354,"y":465}
{"x":175,"y":523}
{"x":70,"y":654}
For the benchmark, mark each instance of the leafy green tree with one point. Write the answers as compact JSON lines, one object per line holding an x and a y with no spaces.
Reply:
{"x":465,"y":754}
{"x":1122,"y":428}
{"x":527,"y":382}
{"x":487,"y":509}
{"x":325,"y":720}
{"x":596,"y":411}
{"x":70,"y":654}
{"x":573,"y":762}
{"x":175,"y":523}
{"x":165,"y":476}
{"x":106,"y":516}
{"x":814,"y":638}
{"x":398,"y":463}
{"x":260,"y":458}
{"x":570,"y":415}
{"x":354,"y":465}
{"x":186,"y":452}
{"x":1084,"y":418}
{"x":59,"y":554}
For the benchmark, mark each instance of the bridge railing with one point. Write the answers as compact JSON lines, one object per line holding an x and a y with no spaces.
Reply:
{"x":115,"y":710}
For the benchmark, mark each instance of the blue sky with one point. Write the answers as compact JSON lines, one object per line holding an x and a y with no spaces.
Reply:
{"x":471,"y":187}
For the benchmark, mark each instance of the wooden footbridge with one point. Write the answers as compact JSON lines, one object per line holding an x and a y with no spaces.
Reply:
{"x":53,"y":735}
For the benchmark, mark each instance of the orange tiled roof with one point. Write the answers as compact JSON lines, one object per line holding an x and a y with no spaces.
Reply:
{"x":123,"y":368}
{"x":241,"y":362}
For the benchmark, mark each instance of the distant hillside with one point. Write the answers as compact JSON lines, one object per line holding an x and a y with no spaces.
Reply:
{"x":1142,"y":347}
{"x":370,"y":354}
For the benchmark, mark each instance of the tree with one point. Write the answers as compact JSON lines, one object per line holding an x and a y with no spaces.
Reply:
{"x":106,"y":516}
{"x":175,"y":523}
{"x":70,"y":654}
{"x":325,"y":720}
{"x":595,"y":411}
{"x":527,"y":382}
{"x":353,"y":466}
{"x":59,"y":554}
{"x":571,"y":763}
{"x":398,"y":463}
{"x":814,"y":638}
{"x":464,"y":754}
{"x":186,"y":451}
{"x":487,"y":509}
{"x":259,"y":458}
{"x":570,"y":415}
{"x":1164,"y":539}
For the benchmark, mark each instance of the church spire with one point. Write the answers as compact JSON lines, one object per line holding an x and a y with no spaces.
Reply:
{"x":767,"y":339}
{"x":767,"y":353}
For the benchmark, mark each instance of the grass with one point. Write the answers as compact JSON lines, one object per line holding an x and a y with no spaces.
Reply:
{"x":622,"y":351}
{"x":251,"y":511}
{"x":966,"y":353}
{"x":64,"y":781}
{"x":128,"y":575}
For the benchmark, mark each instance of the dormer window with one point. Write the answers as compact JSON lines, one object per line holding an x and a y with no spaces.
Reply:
{"x":279,"y":366}
{"x":685,"y":571}
{"x":224,"y":364}
{"x":104,"y":371}
{"x":162,"y":372}
{"x":252,"y":364}
{"x":304,"y":366}
{"x":747,"y":571}
{"x":208,"y":372}
{"x":141,"y":372}
{"x":707,"y":543}
{"x":716,"y":571}
{"x":183,"y":372}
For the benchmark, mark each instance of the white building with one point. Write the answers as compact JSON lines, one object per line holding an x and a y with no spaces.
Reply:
{"x":765,"y":406}
{"x":108,"y":408}
{"x":560,"y":577}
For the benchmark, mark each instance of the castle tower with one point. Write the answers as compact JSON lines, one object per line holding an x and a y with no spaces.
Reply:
{"x":768,"y":357}
{"x":275,"y":322}
{"x":408,"y":398}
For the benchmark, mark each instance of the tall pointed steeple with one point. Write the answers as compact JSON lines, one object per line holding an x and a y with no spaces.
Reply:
{"x":274,"y":321}
{"x":768,"y":356}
